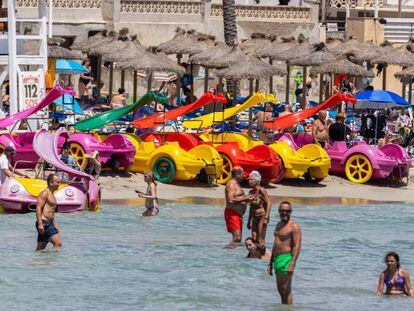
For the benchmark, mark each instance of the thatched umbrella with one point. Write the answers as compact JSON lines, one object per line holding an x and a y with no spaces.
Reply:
{"x":392,"y":56}
{"x":54,"y":50}
{"x":215,"y":51}
{"x":185,"y":42}
{"x":319,"y":55}
{"x":257,"y":44}
{"x":150,"y":61}
{"x":404,"y":74}
{"x":249,"y":67}
{"x":342,"y":65}
{"x":132,"y":48}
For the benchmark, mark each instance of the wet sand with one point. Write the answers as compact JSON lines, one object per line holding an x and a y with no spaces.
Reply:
{"x":122,"y":189}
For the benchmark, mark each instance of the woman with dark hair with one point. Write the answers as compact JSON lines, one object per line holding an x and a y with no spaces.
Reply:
{"x":85,"y":78}
{"x":396,"y":279}
{"x":255,"y":251}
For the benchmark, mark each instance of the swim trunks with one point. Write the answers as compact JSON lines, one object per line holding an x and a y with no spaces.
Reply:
{"x":282,"y":262}
{"x":233,"y":220}
{"x":50,"y":230}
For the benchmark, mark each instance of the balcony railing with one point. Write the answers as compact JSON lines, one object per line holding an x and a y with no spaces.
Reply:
{"x":64,"y":4}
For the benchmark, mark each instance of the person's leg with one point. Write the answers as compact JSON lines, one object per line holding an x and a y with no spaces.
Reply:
{"x":57,"y":243}
{"x":41,"y":246}
{"x":262,"y":229}
{"x":284,"y":286}
{"x":96,"y":166}
{"x":255,"y":229}
{"x":81,"y":89}
{"x":237,"y":236}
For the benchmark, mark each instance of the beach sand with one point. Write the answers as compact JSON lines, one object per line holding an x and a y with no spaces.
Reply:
{"x":123,"y":188}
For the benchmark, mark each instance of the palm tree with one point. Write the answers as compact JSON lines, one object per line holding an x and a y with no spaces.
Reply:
{"x":230,"y":33}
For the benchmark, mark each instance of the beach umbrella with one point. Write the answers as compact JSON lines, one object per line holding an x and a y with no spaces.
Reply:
{"x":68,"y":102}
{"x":151,"y":61}
{"x":69,"y":67}
{"x":214,"y":51}
{"x":380,"y":99}
{"x":249,"y":67}
{"x":407,"y":73}
{"x":342,"y":65}
{"x":54,"y":50}
{"x":319,"y":54}
{"x":185,"y":42}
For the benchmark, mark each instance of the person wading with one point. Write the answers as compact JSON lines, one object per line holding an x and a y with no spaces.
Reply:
{"x":286,"y":249}
{"x":45,"y":214}
{"x":236,"y":203}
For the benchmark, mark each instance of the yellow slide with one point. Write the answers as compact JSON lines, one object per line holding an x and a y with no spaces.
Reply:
{"x":219,"y":116}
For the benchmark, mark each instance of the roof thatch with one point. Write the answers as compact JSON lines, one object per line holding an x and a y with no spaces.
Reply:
{"x":54,"y":50}
{"x":151,"y":61}
{"x":367,"y":51}
{"x":408,"y":72}
{"x":257,"y":44}
{"x":342,"y":65}
{"x":393,"y":56}
{"x":300,"y":50}
{"x":335,"y":45}
{"x":319,"y":55}
{"x":184,"y":42}
{"x":81,"y":45}
{"x":132,"y":48}
{"x":278,"y":48}
{"x":215,"y":51}
{"x":108,"y":38}
{"x":112,"y":45}
{"x":226,"y":60}
{"x":250,"y":67}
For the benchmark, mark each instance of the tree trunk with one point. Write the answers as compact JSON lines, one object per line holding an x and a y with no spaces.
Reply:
{"x":230,"y":36}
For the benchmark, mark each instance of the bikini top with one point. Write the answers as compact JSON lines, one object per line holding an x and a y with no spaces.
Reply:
{"x":400,"y":280}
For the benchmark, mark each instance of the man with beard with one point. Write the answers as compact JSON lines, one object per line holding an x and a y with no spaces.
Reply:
{"x":286,"y":248}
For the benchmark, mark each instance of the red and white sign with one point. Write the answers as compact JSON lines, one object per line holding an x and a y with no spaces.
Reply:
{"x":31,"y":88}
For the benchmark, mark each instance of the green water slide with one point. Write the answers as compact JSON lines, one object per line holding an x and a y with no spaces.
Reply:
{"x":104,"y":118}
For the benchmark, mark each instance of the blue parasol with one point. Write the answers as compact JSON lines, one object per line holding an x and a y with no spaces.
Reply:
{"x":69,"y":67}
{"x":380,"y":99}
{"x":66,"y":102}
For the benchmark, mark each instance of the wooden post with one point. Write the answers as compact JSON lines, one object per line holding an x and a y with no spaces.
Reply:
{"x":287,"y":82}
{"x":270,"y":78}
{"x":404,"y":86}
{"x":410,"y":91}
{"x":135,"y":86}
{"x":257,"y":85}
{"x":98,"y":76}
{"x":205,"y":80}
{"x":384,"y":77}
{"x":304,"y":88}
{"x":123,"y":78}
{"x":111,"y":81}
{"x":178,"y":80}
{"x":320,"y":88}
{"x":250,"y":128}
{"x":150,"y":74}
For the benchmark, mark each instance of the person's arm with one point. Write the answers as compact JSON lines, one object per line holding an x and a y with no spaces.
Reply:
{"x":20,"y":173}
{"x":297,"y":242}
{"x":270,"y":265}
{"x":408,"y":285}
{"x":152,"y":195}
{"x":41,"y":201}
{"x":268,"y":203}
{"x":249,"y":220}
{"x":314,"y":129}
{"x":380,"y":287}
{"x":233,"y":198}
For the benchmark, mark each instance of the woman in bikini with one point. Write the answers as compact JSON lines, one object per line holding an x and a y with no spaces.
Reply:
{"x":396,"y":279}
{"x":151,"y":201}
{"x":259,"y":209}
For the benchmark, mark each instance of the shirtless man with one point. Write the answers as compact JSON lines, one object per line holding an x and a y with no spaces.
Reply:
{"x":45,"y":214}
{"x":286,"y":248}
{"x":236,"y":204}
{"x":320,"y":129}
{"x":119,"y":100}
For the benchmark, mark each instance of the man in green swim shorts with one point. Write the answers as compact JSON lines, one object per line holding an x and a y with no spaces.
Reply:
{"x":286,"y":248}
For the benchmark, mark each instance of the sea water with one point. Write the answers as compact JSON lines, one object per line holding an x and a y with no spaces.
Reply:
{"x":180,"y":260}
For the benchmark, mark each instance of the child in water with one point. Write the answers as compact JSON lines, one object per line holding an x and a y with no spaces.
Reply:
{"x":151,"y":201}
{"x":259,"y":209}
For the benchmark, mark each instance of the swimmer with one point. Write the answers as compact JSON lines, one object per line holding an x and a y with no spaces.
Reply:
{"x":151,"y":200}
{"x":236,"y":204}
{"x":396,"y":279}
{"x":260,"y":206}
{"x":254,"y":251}
{"x":286,"y":249}
{"x":46,"y":226}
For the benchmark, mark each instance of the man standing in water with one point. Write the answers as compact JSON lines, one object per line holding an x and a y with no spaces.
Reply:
{"x":286,"y":248}
{"x":320,"y":129}
{"x":236,"y":203}
{"x":45,"y":214}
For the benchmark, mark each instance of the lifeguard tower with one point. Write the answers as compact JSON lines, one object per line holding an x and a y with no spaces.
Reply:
{"x":25,"y":73}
